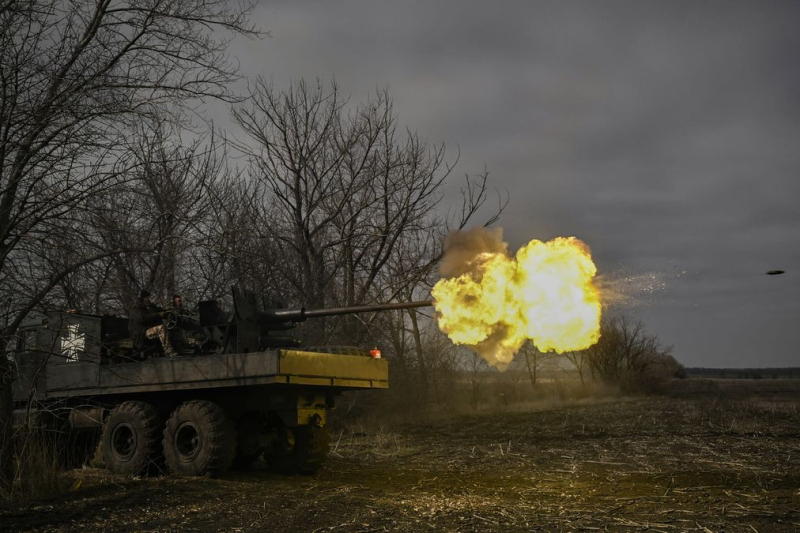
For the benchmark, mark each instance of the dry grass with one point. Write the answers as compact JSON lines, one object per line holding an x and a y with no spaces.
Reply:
{"x":37,"y":468}
{"x":720,"y":459}
{"x":496,"y":393}
{"x":710,"y":458}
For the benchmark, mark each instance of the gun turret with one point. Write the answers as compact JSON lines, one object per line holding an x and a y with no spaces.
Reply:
{"x":254,"y":327}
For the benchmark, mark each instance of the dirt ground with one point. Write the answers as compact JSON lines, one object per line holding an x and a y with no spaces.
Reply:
{"x":713,"y":456}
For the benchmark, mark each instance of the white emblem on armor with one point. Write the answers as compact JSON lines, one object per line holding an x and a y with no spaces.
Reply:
{"x":72,"y":343}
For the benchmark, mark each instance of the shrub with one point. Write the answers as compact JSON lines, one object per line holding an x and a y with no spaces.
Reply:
{"x":37,"y":468}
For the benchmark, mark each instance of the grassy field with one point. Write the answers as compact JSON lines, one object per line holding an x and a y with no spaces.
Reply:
{"x":713,"y":455}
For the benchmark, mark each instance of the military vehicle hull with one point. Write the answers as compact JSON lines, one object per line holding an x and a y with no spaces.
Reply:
{"x":243,"y":390}
{"x":272,"y":404}
{"x":194,"y":414}
{"x":271,"y":367}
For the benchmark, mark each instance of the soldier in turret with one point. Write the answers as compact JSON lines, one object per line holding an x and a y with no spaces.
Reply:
{"x":145,"y":321}
{"x":185,"y":335}
{"x":177,"y":302}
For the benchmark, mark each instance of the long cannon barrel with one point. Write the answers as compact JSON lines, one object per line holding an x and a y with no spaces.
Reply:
{"x":334,"y":311}
{"x":275,"y":316}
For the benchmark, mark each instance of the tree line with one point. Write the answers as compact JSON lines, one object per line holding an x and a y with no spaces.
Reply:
{"x":111,"y":182}
{"x":627,"y":358}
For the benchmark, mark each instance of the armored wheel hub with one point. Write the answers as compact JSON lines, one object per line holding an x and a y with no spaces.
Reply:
{"x":123,"y":441}
{"x":187,"y":441}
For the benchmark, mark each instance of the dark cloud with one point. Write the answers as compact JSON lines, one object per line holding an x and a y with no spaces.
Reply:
{"x":664,"y":134}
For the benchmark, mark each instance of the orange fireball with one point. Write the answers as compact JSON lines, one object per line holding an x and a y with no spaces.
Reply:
{"x":545,"y":293}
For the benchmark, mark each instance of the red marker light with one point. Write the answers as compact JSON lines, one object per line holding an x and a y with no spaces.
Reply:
{"x":375,"y":353}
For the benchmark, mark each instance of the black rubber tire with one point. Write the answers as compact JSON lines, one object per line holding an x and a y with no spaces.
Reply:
{"x":252,"y":437}
{"x":131,"y":441}
{"x":244,"y":461}
{"x":199,"y":439}
{"x":310,"y":449}
{"x":79,"y":447}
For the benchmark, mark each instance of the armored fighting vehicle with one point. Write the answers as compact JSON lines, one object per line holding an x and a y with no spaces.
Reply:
{"x":245,"y":390}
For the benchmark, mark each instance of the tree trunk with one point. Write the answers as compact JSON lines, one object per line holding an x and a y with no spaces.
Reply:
{"x":423,"y":371}
{"x":170,"y":261}
{"x":6,"y":410}
{"x":531,"y":371}
{"x":474,"y":380}
{"x":398,"y":341}
{"x":578,"y":359}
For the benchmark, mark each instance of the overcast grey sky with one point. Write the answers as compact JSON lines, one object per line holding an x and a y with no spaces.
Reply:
{"x":664,"y":134}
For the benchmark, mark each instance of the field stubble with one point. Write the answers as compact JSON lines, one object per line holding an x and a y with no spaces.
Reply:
{"x":712,"y":456}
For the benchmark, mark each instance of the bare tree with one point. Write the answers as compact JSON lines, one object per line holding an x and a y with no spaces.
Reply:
{"x":74,"y":78}
{"x":164,"y":207}
{"x":579,"y":360}
{"x":534,"y":360}
{"x":605,"y":357}
{"x":625,"y":353}
{"x":475,"y":366}
{"x":346,"y":195}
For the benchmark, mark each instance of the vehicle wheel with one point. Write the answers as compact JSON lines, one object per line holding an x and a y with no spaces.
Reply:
{"x":130,"y":443}
{"x":300,"y":450}
{"x":199,"y":439}
{"x":252,"y":439}
{"x":79,"y":447}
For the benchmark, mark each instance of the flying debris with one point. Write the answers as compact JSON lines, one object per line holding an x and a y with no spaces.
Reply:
{"x":775,"y":272}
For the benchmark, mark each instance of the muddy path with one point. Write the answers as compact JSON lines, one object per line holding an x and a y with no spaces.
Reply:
{"x":709,"y":461}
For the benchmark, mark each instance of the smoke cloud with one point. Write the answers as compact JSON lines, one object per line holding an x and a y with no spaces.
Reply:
{"x":462,"y":250}
{"x":465,"y":252}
